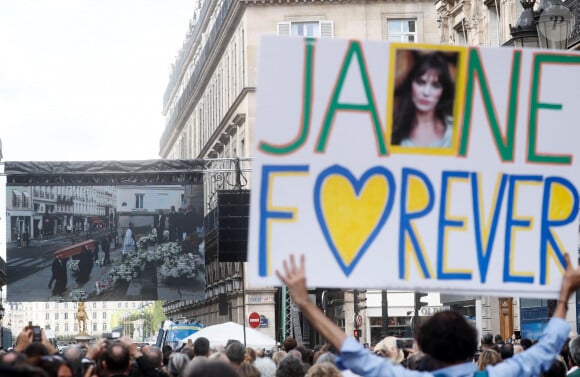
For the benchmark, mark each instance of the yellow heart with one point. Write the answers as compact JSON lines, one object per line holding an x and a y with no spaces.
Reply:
{"x":351,"y":218}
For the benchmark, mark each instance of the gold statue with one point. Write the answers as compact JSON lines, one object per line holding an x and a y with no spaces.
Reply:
{"x":82,"y":318}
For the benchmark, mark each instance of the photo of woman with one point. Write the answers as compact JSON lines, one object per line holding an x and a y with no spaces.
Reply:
{"x":423,"y":98}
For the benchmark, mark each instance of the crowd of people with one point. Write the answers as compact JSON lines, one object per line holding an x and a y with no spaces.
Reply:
{"x":445,"y":345}
{"x":122,"y":357}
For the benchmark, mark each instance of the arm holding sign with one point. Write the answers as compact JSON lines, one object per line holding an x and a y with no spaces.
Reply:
{"x":455,"y":360}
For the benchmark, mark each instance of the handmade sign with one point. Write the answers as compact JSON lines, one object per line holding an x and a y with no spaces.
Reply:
{"x":410,"y":166}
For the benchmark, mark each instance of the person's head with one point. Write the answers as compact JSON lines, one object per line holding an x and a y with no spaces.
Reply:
{"x":36,"y":349}
{"x":506,"y":351}
{"x":574,"y":350}
{"x":326,"y":357}
{"x":177,"y":363}
{"x":277,"y":356}
{"x":448,"y":338}
{"x":487,"y":340}
{"x":558,"y":369}
{"x":488,"y":357}
{"x":295,"y":354}
{"x":235,"y":352}
{"x":248,"y":370}
{"x":250,"y":356}
{"x":115,"y":358}
{"x":188,"y":351}
{"x":290,"y":367}
{"x":388,"y":348}
{"x":526,"y":343}
{"x":54,"y":366}
{"x":323,"y":370}
{"x":209,"y":368}
{"x":427,"y":89}
{"x":289,"y":344}
{"x":172,"y":208}
{"x":498,"y":339}
{"x":155,"y":355}
{"x":216,"y":356}
{"x":419,"y":361}
{"x":266,"y":366}
{"x":74,"y":355}
{"x":201,"y":346}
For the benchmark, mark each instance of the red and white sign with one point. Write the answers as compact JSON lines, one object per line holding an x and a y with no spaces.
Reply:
{"x":254,"y":320}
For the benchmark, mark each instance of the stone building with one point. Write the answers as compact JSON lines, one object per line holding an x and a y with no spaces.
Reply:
{"x":209,"y":105}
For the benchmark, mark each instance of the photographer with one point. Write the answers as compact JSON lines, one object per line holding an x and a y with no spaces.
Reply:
{"x":33,"y":340}
{"x":113,"y":357}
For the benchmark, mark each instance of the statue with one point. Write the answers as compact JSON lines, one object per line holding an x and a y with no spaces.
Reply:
{"x":82,"y":318}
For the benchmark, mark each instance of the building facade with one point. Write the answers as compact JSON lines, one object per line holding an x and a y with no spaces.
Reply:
{"x":49,"y":210}
{"x":209,"y":105}
{"x":60,"y":317}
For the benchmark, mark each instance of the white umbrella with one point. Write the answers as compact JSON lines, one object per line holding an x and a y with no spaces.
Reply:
{"x":218,"y":335}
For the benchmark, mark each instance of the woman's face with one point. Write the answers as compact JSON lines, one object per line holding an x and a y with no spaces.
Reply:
{"x":426,"y":91}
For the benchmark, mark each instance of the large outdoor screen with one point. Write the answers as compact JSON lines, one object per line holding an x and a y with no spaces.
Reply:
{"x":104,"y":231}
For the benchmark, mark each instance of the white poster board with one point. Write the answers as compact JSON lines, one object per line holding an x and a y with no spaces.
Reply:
{"x":444,"y":168}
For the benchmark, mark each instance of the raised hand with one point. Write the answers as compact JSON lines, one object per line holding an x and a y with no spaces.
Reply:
{"x":295,"y":278}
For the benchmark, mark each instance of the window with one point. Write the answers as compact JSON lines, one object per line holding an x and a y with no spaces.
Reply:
{"x":55,"y":315}
{"x":323,"y":29}
{"x":402,"y":30}
{"x":94,"y":315}
{"x":139,"y":200}
{"x":65,"y":315}
{"x":104,"y":315}
{"x":66,"y":327}
{"x":104,"y":327}
{"x":461,"y":33}
{"x":94,"y":327}
{"x":47,"y":316}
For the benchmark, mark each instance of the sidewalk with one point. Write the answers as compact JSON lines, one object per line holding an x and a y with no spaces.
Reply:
{"x":35,"y":287}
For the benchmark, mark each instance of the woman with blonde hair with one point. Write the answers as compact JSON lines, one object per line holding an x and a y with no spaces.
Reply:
{"x":488,"y":357}
{"x":324,"y":369}
{"x":388,"y":348}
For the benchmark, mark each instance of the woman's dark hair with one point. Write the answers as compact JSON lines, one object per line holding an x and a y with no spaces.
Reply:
{"x":405,"y":111}
{"x":447,"y":337}
{"x":290,"y":367}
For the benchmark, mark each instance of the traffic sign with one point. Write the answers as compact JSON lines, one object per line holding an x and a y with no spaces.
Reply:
{"x":254,"y":320}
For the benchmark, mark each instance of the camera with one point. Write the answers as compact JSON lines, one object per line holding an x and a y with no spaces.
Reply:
{"x":86,"y":363}
{"x":112,"y":335}
{"x":405,"y":343}
{"x":36,"y":334}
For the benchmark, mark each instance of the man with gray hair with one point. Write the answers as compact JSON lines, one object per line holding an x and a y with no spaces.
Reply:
{"x":574,"y":347}
{"x":74,"y":355}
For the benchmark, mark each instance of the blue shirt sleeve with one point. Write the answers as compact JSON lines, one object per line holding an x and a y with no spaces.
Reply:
{"x":363,"y":362}
{"x":539,"y":357}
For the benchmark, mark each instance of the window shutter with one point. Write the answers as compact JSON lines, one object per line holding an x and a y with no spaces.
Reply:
{"x":326,"y":29}
{"x":284,"y":29}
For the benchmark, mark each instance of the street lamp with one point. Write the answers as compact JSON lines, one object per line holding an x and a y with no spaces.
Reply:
{"x":525,"y":33}
{"x":548,"y":27}
{"x":554,"y":24}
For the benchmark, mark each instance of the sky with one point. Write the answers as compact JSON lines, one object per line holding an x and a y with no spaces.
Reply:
{"x":84,"y":79}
